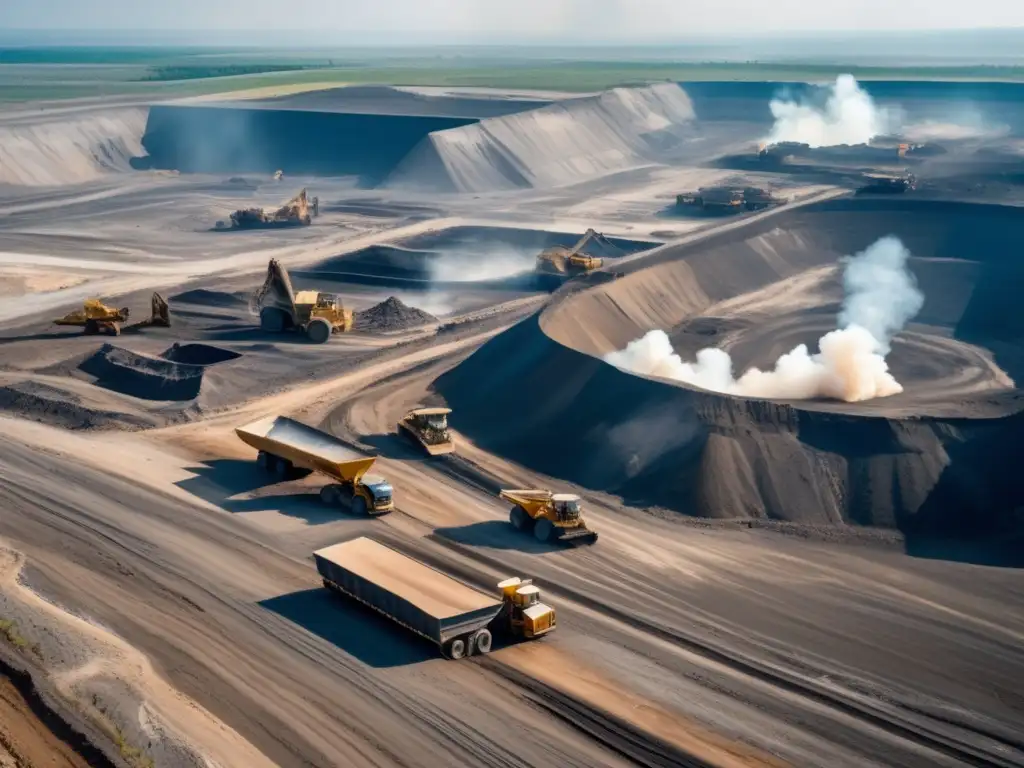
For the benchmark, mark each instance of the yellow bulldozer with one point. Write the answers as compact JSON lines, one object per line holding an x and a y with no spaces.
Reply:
{"x":316,"y":314}
{"x":96,"y":317}
{"x":429,"y":428}
{"x":553,"y":517}
{"x":571,"y":262}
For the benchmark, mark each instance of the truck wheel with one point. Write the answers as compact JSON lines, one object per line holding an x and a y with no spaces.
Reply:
{"x":329,"y":495}
{"x":543,"y":530}
{"x":272,"y":320}
{"x":482,"y":641}
{"x":519,"y":518}
{"x":457,"y":648}
{"x":264,"y":460}
{"x":359,"y":505}
{"x":319,"y":331}
{"x":91,"y":328}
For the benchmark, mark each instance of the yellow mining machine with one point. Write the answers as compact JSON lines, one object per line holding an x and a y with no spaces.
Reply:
{"x":574,"y":261}
{"x":297,"y":212}
{"x":316,"y":314}
{"x":96,"y":317}
{"x":429,"y":428}
{"x":553,"y":517}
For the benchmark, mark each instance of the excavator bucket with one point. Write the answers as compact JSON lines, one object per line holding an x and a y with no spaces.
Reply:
{"x":161,"y":314}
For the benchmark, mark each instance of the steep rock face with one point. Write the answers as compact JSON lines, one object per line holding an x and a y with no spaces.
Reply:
{"x":541,"y":395}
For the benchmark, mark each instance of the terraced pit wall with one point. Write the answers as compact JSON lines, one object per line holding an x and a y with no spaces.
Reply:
{"x":221,"y":139}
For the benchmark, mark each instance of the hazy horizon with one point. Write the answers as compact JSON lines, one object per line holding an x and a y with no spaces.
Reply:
{"x":469,"y":21}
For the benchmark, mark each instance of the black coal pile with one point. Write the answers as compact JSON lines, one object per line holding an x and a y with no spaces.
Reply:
{"x":392,"y":315}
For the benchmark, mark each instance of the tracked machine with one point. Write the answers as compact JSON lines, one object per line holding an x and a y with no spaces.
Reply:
{"x":313,"y":313}
{"x":572,"y":262}
{"x":552,"y":517}
{"x":95,"y":317}
{"x":429,"y":428}
{"x":297,"y":212}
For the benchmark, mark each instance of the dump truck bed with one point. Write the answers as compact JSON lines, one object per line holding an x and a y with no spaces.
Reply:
{"x":305,"y":447}
{"x":429,"y":602}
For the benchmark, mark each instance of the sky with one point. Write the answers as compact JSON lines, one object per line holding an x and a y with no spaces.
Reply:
{"x":486,"y":21}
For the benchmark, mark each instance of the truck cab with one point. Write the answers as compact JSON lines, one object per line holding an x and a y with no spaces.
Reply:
{"x":379,"y":491}
{"x":527,"y":616}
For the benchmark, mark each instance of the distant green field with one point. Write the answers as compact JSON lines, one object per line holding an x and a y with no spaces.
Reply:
{"x":65,"y":73}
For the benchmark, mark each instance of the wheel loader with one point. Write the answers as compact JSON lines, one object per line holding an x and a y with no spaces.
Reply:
{"x":96,"y":317}
{"x":429,"y":428}
{"x":315,"y":314}
{"x":571,"y":262}
{"x":552,"y":517}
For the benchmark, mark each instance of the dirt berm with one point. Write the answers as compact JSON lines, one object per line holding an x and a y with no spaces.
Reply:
{"x":541,"y":395}
{"x":176,"y":375}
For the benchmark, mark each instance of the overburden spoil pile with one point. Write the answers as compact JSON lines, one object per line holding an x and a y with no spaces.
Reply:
{"x":392,"y":315}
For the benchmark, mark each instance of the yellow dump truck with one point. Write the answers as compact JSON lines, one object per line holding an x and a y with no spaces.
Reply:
{"x":459,"y":619}
{"x":96,"y":317}
{"x":313,"y":313}
{"x":289,"y":449}
{"x":429,"y":428}
{"x":553,"y":517}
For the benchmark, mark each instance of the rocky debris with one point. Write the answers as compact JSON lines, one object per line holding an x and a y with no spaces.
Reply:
{"x":392,"y":315}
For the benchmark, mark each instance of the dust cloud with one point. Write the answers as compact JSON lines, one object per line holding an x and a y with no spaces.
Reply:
{"x":490,"y":262}
{"x":881,"y":296}
{"x":849,"y":116}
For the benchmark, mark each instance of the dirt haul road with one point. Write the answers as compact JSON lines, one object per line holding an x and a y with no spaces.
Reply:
{"x":677,"y":645}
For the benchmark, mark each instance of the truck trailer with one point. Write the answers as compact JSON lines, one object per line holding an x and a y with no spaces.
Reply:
{"x":289,"y":449}
{"x":460,"y":620}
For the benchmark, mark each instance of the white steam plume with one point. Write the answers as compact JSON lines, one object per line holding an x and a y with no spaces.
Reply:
{"x":849,"y":116}
{"x":881,"y":296}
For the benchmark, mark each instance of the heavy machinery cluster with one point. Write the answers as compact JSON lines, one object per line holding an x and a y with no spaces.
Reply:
{"x":727,"y":199}
{"x":95,"y":317}
{"x":297,"y":212}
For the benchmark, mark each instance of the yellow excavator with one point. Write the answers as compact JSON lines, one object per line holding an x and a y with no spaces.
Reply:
{"x":429,"y":428}
{"x":571,"y":262}
{"x":553,"y":517}
{"x":313,"y":313}
{"x":96,"y":317}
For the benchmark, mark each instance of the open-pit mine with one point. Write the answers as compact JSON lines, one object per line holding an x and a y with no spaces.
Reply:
{"x":673,"y":425}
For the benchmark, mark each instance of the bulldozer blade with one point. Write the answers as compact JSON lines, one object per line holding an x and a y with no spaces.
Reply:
{"x":577,"y":537}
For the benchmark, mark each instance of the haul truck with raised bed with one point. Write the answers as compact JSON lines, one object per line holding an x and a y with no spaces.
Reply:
{"x":314,"y":313}
{"x":460,"y":620}
{"x":553,"y":517}
{"x":289,"y":449}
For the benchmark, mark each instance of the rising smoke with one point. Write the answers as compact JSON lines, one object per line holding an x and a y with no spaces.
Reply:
{"x":881,"y":296}
{"x":849,"y":116}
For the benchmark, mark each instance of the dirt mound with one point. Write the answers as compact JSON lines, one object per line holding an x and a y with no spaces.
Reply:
{"x":198,"y":354}
{"x":141,"y":376}
{"x":392,"y":315}
{"x":49,"y":405}
{"x":935,"y":460}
